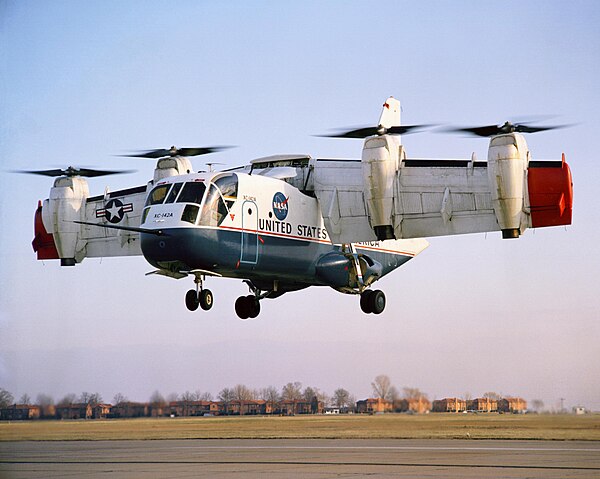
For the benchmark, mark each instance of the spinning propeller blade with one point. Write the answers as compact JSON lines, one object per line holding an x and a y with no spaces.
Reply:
{"x":174,"y":151}
{"x":507,"y":127}
{"x":73,"y":171}
{"x":376,"y":130}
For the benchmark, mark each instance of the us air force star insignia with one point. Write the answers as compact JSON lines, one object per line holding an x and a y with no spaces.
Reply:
{"x":114,"y":210}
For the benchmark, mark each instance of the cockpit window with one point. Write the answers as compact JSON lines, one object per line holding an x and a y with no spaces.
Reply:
{"x":157,"y":195}
{"x":174,"y":192}
{"x":228,"y":186}
{"x":219,"y":200}
{"x":192,"y":192}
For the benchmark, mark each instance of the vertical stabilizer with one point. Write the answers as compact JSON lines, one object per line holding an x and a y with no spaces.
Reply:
{"x":390,"y":115}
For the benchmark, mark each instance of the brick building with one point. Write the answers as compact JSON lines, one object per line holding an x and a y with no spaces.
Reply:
{"x":374,"y":405}
{"x":74,"y":411}
{"x":512,"y":405}
{"x":18,"y":412}
{"x":482,"y":405}
{"x":420,"y":405}
{"x":449,"y":405}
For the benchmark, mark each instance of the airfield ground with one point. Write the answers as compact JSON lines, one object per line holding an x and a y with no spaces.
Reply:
{"x":392,"y":426}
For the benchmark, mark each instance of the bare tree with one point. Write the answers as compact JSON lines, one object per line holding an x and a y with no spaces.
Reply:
{"x":393,"y":394}
{"x":172,"y":397}
{"x":226,"y":396}
{"x":381,"y":386}
{"x":188,"y":397}
{"x":341,"y":398}
{"x":25,"y":399}
{"x":119,"y":399}
{"x":271,"y":395}
{"x":537,"y":405}
{"x":6,"y":398}
{"x":90,"y":398}
{"x":492,"y":395}
{"x":413,"y":393}
{"x":309,"y":393}
{"x":467,"y":396}
{"x":157,"y":399}
{"x":68,"y":399}
{"x":292,"y":391}
{"x":242,"y":393}
{"x":44,"y":400}
{"x":204,"y":396}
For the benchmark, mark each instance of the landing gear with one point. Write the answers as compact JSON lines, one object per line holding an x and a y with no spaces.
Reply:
{"x":191,"y":300}
{"x":372,"y":301}
{"x":247,"y":307}
{"x":199,"y":297}
{"x":206,"y":299}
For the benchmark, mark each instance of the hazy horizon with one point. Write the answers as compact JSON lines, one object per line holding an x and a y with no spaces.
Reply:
{"x":82,"y":82}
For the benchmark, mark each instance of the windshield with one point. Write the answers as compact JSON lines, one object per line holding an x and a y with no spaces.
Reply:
{"x":192,"y":192}
{"x":157,"y":195}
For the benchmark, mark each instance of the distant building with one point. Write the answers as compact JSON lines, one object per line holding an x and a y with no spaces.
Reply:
{"x":512,"y":405}
{"x":193,"y":408}
{"x":420,"y":405}
{"x":129,"y":409}
{"x":449,"y":405}
{"x":374,"y":405}
{"x":18,"y":412}
{"x":579,"y":410}
{"x":74,"y":411}
{"x":101,"y":411}
{"x":299,"y":406}
{"x":482,"y":405}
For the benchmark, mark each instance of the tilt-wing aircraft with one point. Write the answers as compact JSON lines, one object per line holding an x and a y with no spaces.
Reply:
{"x":287,"y":222}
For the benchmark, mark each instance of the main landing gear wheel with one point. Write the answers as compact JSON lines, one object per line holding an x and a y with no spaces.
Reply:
{"x":247,"y":307}
{"x":205,"y":299}
{"x":372,"y":301}
{"x":191,"y":300}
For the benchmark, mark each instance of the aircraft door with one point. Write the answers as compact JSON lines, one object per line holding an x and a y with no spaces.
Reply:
{"x":249,"y":233}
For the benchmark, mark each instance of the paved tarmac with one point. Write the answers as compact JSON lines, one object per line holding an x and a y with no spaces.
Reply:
{"x":313,"y":459}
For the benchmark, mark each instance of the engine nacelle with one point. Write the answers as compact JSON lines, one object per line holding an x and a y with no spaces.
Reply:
{"x":59,"y":213}
{"x":171,"y":166}
{"x":508,"y":160}
{"x":381,"y":156}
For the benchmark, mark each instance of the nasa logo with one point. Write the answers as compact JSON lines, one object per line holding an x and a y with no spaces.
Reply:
{"x":280,"y":206}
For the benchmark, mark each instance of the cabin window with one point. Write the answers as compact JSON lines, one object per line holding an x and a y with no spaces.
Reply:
{"x":192,"y":192}
{"x":157,"y":195}
{"x":174,"y":192}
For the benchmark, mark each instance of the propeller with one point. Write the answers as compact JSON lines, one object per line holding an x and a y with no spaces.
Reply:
{"x":174,"y":151}
{"x":376,"y":130}
{"x":73,"y":171}
{"x":507,"y":127}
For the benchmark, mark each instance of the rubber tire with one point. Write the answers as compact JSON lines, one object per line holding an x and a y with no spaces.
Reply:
{"x":377,"y":301}
{"x":254,"y":306}
{"x":191,"y":300}
{"x":365,"y":301}
{"x":242,"y":308}
{"x":206,"y":299}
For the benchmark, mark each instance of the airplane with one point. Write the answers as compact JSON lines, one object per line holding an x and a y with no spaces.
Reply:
{"x":286,"y":222}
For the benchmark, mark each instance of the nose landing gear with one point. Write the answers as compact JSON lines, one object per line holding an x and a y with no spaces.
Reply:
{"x":199,"y":296}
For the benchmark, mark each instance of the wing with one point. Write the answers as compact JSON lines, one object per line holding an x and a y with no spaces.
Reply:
{"x":118,"y":208}
{"x":436,"y":198}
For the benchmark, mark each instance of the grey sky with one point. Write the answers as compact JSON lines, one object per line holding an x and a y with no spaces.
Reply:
{"x":82,"y":81}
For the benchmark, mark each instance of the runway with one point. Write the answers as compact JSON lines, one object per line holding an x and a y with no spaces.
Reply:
{"x":313,"y":459}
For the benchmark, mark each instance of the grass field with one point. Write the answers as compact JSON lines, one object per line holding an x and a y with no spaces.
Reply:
{"x":393,"y":426}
